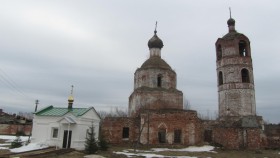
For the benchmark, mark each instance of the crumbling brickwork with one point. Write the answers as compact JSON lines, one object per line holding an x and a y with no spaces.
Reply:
{"x":272,"y":133}
{"x":170,"y":121}
{"x":237,"y":138}
{"x":12,"y":129}
{"x":147,"y":126}
{"x":235,"y":74}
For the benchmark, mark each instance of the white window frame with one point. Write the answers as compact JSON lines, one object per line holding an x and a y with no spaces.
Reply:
{"x":53,"y":132}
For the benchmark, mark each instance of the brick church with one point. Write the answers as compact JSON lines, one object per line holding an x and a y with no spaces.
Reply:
{"x":156,"y":113}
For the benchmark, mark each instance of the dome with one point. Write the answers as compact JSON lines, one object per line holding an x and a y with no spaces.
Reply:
{"x":231,"y":22}
{"x":155,"y":42}
{"x":155,"y":62}
{"x":71,"y":98}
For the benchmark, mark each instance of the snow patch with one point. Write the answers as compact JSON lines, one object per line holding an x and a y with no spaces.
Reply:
{"x":29,"y":147}
{"x":205,"y":148}
{"x":11,"y":138}
{"x":4,"y":148}
{"x":149,"y":154}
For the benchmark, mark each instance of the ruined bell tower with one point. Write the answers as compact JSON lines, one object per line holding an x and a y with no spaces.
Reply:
{"x":235,"y":74}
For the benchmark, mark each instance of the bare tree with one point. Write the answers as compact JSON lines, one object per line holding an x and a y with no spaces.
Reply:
{"x":186,"y":104}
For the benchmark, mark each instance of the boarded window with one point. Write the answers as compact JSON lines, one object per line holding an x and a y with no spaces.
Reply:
{"x":159,"y":80}
{"x":219,"y":52}
{"x":245,"y":76}
{"x":125,"y":132}
{"x":162,"y":136}
{"x":243,"y":49}
{"x":177,"y":136}
{"x":221,"y":78}
{"x":55,"y":132}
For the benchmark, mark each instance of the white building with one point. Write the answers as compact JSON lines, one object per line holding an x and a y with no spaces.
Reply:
{"x":64,"y":127}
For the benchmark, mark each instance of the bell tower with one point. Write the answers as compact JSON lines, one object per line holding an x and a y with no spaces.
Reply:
{"x":235,"y":74}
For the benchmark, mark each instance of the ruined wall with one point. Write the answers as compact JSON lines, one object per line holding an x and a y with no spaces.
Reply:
{"x":272,"y":132}
{"x":112,"y":129}
{"x":151,"y":122}
{"x":12,"y":129}
{"x":237,"y":138}
{"x":169,"y":121}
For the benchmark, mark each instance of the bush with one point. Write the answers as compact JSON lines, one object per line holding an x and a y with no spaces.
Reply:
{"x":20,"y":133}
{"x":16,"y":143}
{"x":103,"y":145}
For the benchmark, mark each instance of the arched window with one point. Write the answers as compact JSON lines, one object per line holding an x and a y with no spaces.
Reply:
{"x":245,"y":76}
{"x":221,"y":78}
{"x":243,"y":48}
{"x":219,"y":52}
{"x":159,"y":80}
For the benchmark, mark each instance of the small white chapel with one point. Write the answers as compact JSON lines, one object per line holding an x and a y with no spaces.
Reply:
{"x":64,"y":127}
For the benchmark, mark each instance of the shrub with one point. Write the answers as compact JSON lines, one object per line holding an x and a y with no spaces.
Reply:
{"x":16,"y":143}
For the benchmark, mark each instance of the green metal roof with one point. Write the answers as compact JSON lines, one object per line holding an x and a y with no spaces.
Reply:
{"x":56,"y":111}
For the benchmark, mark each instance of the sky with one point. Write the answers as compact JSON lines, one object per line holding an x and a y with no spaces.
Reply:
{"x":96,"y":45}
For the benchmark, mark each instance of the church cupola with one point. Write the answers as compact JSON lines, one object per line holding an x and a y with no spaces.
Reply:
{"x":155,"y":44}
{"x":231,"y":23}
{"x":71,"y":99}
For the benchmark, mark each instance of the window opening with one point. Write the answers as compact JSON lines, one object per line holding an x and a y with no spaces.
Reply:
{"x":161,"y":136}
{"x":159,"y":80}
{"x":242,"y":49}
{"x":55,"y":132}
{"x":125,"y":132}
{"x":177,"y":136}
{"x":245,"y":76}
{"x":221,"y":78}
{"x":219,"y":52}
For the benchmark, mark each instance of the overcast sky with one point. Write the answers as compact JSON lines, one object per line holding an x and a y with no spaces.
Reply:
{"x":47,"y":46}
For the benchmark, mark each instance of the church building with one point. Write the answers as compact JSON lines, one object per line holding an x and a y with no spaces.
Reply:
{"x":64,"y":127}
{"x":156,"y":114}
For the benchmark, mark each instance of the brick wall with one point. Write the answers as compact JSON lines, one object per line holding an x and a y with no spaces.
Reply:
{"x":237,"y":138}
{"x":150,"y":123}
{"x":12,"y":129}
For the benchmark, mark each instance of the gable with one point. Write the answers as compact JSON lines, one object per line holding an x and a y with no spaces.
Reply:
{"x":91,"y":114}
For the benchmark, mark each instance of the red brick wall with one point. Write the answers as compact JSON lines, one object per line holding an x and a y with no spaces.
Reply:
{"x":112,"y":129}
{"x":227,"y":137}
{"x":170,"y":120}
{"x":12,"y":129}
{"x":237,"y":138}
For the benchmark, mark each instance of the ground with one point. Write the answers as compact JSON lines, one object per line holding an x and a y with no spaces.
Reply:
{"x":217,"y":154}
{"x":175,"y":152}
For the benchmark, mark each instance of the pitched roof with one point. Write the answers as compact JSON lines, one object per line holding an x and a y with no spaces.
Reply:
{"x":57,"y":111}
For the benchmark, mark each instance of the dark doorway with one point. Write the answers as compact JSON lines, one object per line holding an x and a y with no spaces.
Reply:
{"x":125,"y":132}
{"x":161,"y":136}
{"x":177,"y":136}
{"x":208,"y":135}
{"x":65,"y":143}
